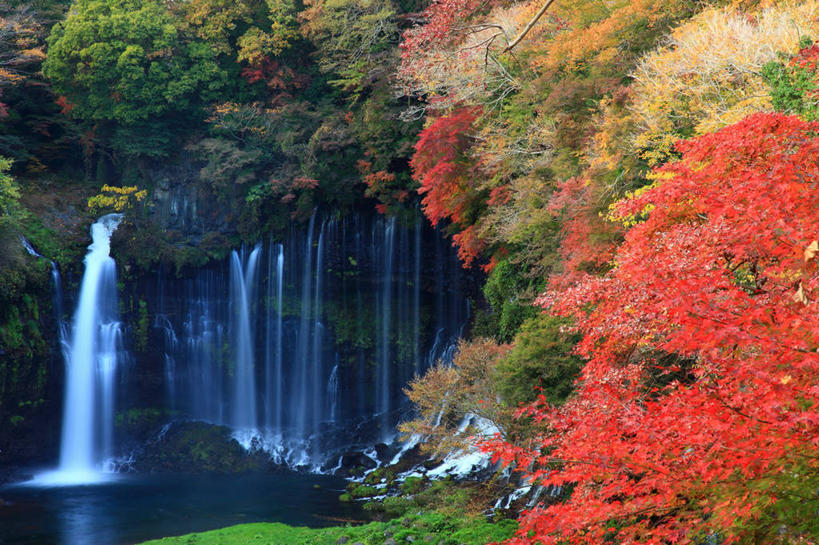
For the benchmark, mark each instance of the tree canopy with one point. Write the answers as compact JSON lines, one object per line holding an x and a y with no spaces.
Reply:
{"x":127,"y":62}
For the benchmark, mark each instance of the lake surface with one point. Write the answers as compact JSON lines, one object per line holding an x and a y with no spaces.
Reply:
{"x":134,"y":508}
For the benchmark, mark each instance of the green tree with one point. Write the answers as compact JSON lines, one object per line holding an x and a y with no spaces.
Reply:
{"x":272,"y":36}
{"x":124,"y":63}
{"x":355,"y":40}
{"x":541,"y":362}
{"x":9,"y":192}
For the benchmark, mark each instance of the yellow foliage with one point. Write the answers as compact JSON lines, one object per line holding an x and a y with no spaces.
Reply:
{"x":708,"y":74}
{"x":120,"y":199}
{"x":597,"y":30}
{"x":445,"y":395}
{"x":631,"y":220}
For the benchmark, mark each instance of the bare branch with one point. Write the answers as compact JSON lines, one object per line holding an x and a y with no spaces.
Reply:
{"x":529,"y":25}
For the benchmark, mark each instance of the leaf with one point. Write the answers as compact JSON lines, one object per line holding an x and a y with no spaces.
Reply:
{"x":799,"y":296}
{"x":811,"y":250}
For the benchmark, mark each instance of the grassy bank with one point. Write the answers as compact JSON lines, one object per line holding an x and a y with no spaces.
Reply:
{"x":426,"y":529}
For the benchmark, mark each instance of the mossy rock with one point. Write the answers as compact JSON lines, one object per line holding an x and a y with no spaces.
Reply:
{"x":197,"y":447}
{"x":379,"y":476}
{"x":363,"y":491}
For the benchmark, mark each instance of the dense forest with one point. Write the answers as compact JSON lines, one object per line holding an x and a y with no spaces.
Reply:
{"x":631,"y":187}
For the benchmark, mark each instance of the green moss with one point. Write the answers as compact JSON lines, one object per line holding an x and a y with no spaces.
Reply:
{"x":363,"y":491}
{"x":243,"y":534}
{"x":140,"y":418}
{"x":141,"y":333}
{"x":192,"y":447}
{"x":379,"y":476}
{"x":412,"y":485}
{"x":26,"y":325}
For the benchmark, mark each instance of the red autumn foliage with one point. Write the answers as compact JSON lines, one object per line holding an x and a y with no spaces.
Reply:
{"x":447,"y":176}
{"x":279,"y":78}
{"x":697,"y":411}
{"x":469,"y":244}
{"x":442,"y":21}
{"x":588,"y":240}
{"x":382,"y":185}
{"x":499,"y":195}
{"x":65,"y":105}
{"x":806,"y":58}
{"x":303,"y":182}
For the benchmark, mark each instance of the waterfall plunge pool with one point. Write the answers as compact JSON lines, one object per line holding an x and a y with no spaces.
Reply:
{"x":132,"y":508}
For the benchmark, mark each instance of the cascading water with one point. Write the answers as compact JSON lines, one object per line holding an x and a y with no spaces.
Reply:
{"x":384,"y":361}
{"x":303,"y":339}
{"x":274,"y":351}
{"x":91,"y":363}
{"x":171,"y":341}
{"x":243,"y":283}
{"x":349,"y":310}
{"x":416,"y":299}
{"x":316,"y":356}
{"x":332,"y":392}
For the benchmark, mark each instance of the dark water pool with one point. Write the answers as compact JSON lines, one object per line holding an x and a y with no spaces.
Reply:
{"x":135,"y":508}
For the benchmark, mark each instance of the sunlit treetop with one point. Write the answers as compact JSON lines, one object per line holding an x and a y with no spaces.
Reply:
{"x":126,"y":61}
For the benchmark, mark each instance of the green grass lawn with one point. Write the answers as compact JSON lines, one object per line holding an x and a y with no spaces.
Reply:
{"x":421,"y":529}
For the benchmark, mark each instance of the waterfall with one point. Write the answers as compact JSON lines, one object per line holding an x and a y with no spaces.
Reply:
{"x":171,"y":340}
{"x":110,"y":340}
{"x":87,"y":433}
{"x":273,"y":348}
{"x":416,"y":299}
{"x":204,"y":327}
{"x":332,"y":391}
{"x":58,"y":307}
{"x":279,"y":390}
{"x":304,"y":331}
{"x":29,"y":248}
{"x":384,"y":393}
{"x":243,"y":282}
{"x":318,"y":334}
{"x":304,"y":346}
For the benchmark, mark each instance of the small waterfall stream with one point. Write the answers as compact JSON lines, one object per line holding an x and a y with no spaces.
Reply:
{"x":274,"y":328}
{"x":384,"y":393}
{"x":243,"y":290}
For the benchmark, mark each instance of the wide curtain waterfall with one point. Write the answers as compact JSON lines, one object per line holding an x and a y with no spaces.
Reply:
{"x":304,"y":346}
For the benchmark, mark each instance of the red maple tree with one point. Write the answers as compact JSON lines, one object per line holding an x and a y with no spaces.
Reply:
{"x":448,"y":177}
{"x":698,"y":411}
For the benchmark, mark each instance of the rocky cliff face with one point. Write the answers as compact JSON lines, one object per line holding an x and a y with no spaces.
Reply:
{"x":178,"y":202}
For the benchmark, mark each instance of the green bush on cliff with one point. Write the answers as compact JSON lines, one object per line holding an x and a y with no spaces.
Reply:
{"x":9,"y":190}
{"x":540,"y":361}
